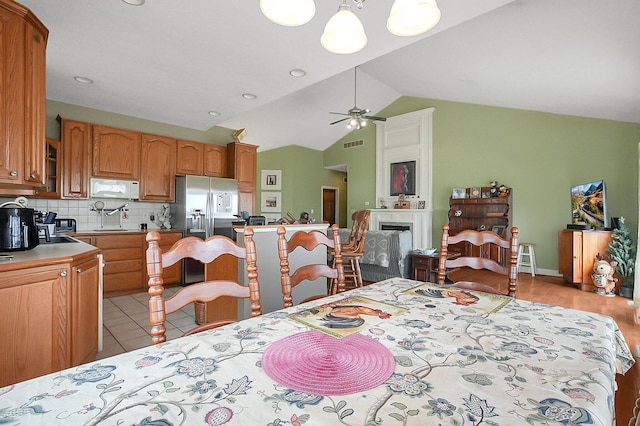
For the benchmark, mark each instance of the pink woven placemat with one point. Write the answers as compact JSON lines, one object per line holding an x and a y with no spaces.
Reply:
{"x":317,"y":363}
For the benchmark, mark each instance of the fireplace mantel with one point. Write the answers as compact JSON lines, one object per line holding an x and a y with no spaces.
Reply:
{"x":420,"y":220}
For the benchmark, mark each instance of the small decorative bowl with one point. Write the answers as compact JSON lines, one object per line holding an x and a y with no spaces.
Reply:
{"x":426,"y":251}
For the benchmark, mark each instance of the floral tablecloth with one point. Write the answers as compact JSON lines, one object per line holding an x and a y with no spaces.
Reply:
{"x":455,"y":364}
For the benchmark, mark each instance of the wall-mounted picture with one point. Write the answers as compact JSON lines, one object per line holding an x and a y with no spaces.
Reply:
{"x":271,"y":202}
{"x":272,"y":179}
{"x":403,"y":178}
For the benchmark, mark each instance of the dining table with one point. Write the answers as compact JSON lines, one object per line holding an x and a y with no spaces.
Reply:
{"x":395,"y":352}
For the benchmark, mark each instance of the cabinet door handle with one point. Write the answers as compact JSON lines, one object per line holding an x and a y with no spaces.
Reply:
{"x":63,"y":273}
{"x":34,"y":175}
{"x":79,"y":270}
{"x":13,"y":173}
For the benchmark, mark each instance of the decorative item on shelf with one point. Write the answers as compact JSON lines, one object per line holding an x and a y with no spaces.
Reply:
{"x":459,"y":193}
{"x":503,"y":191}
{"x":163,"y":217}
{"x":603,"y":276}
{"x":401,"y":203}
{"x":494,"y":190}
{"x":622,"y":250}
{"x":485,"y":192}
{"x":422,"y":204}
{"x":498,"y":229}
{"x":474,"y":192}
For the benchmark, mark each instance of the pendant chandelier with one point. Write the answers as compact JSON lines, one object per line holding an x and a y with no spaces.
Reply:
{"x":344,"y":33}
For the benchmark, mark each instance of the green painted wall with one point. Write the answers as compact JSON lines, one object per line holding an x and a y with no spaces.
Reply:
{"x":539,"y":155}
{"x":302,"y":179}
{"x":215,"y":135}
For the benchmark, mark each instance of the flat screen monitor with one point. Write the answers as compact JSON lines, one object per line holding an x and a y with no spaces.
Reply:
{"x":589,"y":204}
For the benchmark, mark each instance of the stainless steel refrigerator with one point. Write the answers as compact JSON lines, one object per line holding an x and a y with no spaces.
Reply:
{"x":204,"y":207}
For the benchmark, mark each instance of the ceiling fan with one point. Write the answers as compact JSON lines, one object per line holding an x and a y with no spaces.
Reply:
{"x":357,"y":117}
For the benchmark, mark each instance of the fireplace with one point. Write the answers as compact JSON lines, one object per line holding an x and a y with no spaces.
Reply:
{"x":395,"y":226}
{"x":418,"y":221}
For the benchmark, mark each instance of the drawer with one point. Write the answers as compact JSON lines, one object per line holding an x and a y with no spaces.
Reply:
{"x":124,"y":282}
{"x":122,"y":254}
{"x":122,"y":266}
{"x":119,"y":241}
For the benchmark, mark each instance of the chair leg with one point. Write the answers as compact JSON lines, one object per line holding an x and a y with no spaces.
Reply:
{"x":357,"y":272}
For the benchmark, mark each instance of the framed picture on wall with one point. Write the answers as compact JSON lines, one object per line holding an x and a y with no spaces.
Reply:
{"x":271,"y":180}
{"x":271,"y":202}
{"x":403,"y":178}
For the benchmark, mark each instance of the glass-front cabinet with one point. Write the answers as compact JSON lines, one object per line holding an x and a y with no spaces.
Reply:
{"x":51,"y":188}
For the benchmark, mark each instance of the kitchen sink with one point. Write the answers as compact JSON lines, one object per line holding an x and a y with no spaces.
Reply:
{"x":58,"y":240}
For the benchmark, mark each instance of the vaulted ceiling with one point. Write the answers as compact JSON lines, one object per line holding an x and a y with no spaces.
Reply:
{"x":173,"y":61}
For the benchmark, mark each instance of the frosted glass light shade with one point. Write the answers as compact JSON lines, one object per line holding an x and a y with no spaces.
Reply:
{"x":344,"y":32}
{"x":289,"y":13}
{"x":412,"y":17}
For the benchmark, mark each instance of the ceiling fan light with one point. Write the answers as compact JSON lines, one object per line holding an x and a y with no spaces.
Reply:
{"x":290,"y":13}
{"x":412,"y":17}
{"x":363,"y":122}
{"x":344,"y":32}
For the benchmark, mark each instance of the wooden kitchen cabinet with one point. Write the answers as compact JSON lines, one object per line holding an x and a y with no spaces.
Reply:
{"x":201,"y":159}
{"x":23,"y":40}
{"x":125,"y":270}
{"x":76,"y":158}
{"x":116,"y":153}
{"x":158,"y":169}
{"x":53,"y":162}
{"x":215,"y":160}
{"x":84,"y":310}
{"x":49,"y":316}
{"x":172,"y":274}
{"x":124,"y":264}
{"x":242,"y":166}
{"x":189,"y":158}
{"x":577,"y":250}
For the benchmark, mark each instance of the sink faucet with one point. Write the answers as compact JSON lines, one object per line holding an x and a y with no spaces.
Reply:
{"x":117,"y":209}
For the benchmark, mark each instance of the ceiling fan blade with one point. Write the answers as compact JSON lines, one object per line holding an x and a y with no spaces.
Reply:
{"x":339,"y":113}
{"x":373,"y":117}
{"x":342,"y":119}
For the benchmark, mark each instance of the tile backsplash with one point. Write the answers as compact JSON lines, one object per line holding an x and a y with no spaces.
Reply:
{"x":88,"y":220}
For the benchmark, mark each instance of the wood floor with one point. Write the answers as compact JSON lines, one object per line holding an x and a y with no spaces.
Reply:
{"x":553,"y":291}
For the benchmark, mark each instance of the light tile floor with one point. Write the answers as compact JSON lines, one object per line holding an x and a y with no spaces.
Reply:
{"x":126,"y":323}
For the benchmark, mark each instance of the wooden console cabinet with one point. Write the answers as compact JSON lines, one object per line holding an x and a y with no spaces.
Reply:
{"x":576,"y":254}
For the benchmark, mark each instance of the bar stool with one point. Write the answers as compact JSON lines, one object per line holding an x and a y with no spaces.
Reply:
{"x":527,"y":250}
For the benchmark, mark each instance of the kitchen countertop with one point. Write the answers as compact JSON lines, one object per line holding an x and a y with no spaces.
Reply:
{"x":46,"y":254}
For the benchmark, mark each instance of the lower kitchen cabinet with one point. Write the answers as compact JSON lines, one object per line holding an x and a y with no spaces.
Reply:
{"x":125,"y":270}
{"x":46,"y":312}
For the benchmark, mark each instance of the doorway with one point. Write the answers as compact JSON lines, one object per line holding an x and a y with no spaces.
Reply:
{"x":330,"y":197}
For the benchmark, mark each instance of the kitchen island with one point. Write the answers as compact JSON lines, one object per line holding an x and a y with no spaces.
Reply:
{"x":50,"y":299}
{"x":266,"y":240}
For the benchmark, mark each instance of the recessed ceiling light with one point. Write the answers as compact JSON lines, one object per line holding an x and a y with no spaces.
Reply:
{"x":214,"y":113}
{"x":83,"y":80}
{"x":134,"y":2}
{"x":249,"y":96}
{"x":297,"y":72}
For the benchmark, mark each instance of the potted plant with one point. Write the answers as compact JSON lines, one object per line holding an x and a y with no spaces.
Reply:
{"x":622,"y":250}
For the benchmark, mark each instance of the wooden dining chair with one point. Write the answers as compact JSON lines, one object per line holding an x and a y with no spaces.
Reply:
{"x":309,"y":241}
{"x":483,"y":243}
{"x":204,"y":251}
{"x":353,"y":248}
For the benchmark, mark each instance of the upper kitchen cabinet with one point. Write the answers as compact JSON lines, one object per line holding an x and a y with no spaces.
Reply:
{"x":158,"y":169}
{"x":215,"y":160}
{"x":53,"y":160}
{"x":242,"y":166}
{"x":23,"y":41}
{"x":116,"y":153}
{"x":201,"y":159}
{"x":189,"y":158}
{"x":242,"y":163}
{"x":76,"y":159}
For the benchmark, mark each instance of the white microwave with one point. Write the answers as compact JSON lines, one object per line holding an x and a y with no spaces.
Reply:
{"x":113,"y":188}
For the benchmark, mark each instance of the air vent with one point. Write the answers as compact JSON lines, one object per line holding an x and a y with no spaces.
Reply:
{"x":353,"y":144}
